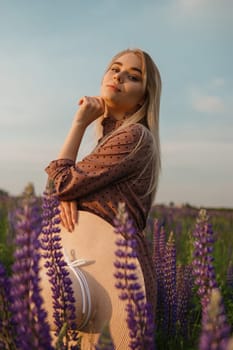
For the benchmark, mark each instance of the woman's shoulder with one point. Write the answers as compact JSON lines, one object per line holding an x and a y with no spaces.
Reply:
{"x":133,"y":132}
{"x":137,"y":132}
{"x":128,"y":140}
{"x":131,"y":135}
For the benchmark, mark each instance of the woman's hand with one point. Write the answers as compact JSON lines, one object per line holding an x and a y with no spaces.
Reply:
{"x":91,"y":108}
{"x":68,"y":214}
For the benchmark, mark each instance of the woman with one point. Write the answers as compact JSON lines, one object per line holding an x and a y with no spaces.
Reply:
{"x":124,"y":167}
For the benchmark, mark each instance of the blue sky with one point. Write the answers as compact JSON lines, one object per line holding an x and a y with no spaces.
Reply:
{"x":53,"y":52}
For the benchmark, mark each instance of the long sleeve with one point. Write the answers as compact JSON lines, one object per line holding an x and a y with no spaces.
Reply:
{"x":112,"y":161}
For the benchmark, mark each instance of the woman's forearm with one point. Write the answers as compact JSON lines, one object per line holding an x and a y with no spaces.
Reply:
{"x":90,"y":109}
{"x":72,"y":142}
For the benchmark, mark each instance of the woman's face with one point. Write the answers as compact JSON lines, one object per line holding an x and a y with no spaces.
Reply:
{"x":122,"y":86}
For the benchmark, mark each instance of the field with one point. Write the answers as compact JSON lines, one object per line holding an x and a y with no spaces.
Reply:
{"x":193,"y":255}
{"x":182,"y":221}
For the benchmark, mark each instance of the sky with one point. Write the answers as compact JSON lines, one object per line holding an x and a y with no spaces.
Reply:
{"x":52,"y":52}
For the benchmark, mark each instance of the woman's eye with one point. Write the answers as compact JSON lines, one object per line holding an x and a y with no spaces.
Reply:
{"x":133,"y":78}
{"x":115,"y":69}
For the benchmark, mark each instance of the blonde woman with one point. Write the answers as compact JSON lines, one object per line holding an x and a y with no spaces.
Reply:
{"x":123,"y":167}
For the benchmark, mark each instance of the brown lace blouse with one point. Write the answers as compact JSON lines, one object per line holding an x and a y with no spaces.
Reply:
{"x":117,"y":170}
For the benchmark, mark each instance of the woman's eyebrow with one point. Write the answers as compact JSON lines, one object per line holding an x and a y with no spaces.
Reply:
{"x":131,"y":68}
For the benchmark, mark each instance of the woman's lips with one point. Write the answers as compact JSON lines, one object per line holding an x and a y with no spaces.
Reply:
{"x":114,"y":87}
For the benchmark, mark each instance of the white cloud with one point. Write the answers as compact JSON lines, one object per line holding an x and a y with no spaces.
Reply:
{"x":205,"y":9}
{"x":190,"y":5}
{"x":208,"y":97}
{"x":204,"y":5}
{"x":208,"y":104}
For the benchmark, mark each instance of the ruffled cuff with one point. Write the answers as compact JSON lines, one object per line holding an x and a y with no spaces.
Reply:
{"x":55,"y":166}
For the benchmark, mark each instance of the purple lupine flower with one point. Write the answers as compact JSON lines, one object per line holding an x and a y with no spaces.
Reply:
{"x":57,"y":269}
{"x":203,"y":269}
{"x":184,"y":285}
{"x":169,"y":275}
{"x":6,"y":325}
{"x":162,"y":241}
{"x":174,"y":287}
{"x":32,"y":329}
{"x":156,"y":236}
{"x":215,"y":329}
{"x":139,"y":313}
{"x":165,"y":265}
{"x":159,"y":242}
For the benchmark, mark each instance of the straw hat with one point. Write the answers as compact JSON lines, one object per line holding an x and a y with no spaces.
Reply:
{"x":94,"y":241}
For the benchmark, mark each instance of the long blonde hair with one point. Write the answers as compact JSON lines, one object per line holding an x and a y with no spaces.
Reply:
{"x":149,"y":110}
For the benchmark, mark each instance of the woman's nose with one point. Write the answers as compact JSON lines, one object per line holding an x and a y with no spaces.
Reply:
{"x":118,"y":77}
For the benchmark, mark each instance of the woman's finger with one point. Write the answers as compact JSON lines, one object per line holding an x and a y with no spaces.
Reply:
{"x":100,"y":101}
{"x":74,"y":212}
{"x":83,"y":100}
{"x":95,"y":100}
{"x":66,"y":216}
{"x":67,"y":208}
{"x":63,"y":217}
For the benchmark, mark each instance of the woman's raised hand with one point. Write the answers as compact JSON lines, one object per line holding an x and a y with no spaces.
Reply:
{"x":91,"y":108}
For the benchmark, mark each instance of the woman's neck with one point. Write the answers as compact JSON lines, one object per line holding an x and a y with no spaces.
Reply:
{"x":118,"y":112}
{"x":117,"y":115}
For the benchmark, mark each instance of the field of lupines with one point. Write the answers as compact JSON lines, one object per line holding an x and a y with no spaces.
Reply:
{"x":192,"y":253}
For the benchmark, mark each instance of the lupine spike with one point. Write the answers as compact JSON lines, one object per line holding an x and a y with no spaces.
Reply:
{"x":162,"y":241}
{"x":184,"y":287}
{"x":158,"y":259}
{"x":170,"y":316}
{"x":62,"y":292}
{"x":139,"y":313}
{"x":156,"y":236}
{"x":215,"y":329}
{"x":203,"y":269}
{"x":29,"y":316}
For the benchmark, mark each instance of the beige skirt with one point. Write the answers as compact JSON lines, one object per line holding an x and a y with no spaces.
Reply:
{"x":93,"y":243}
